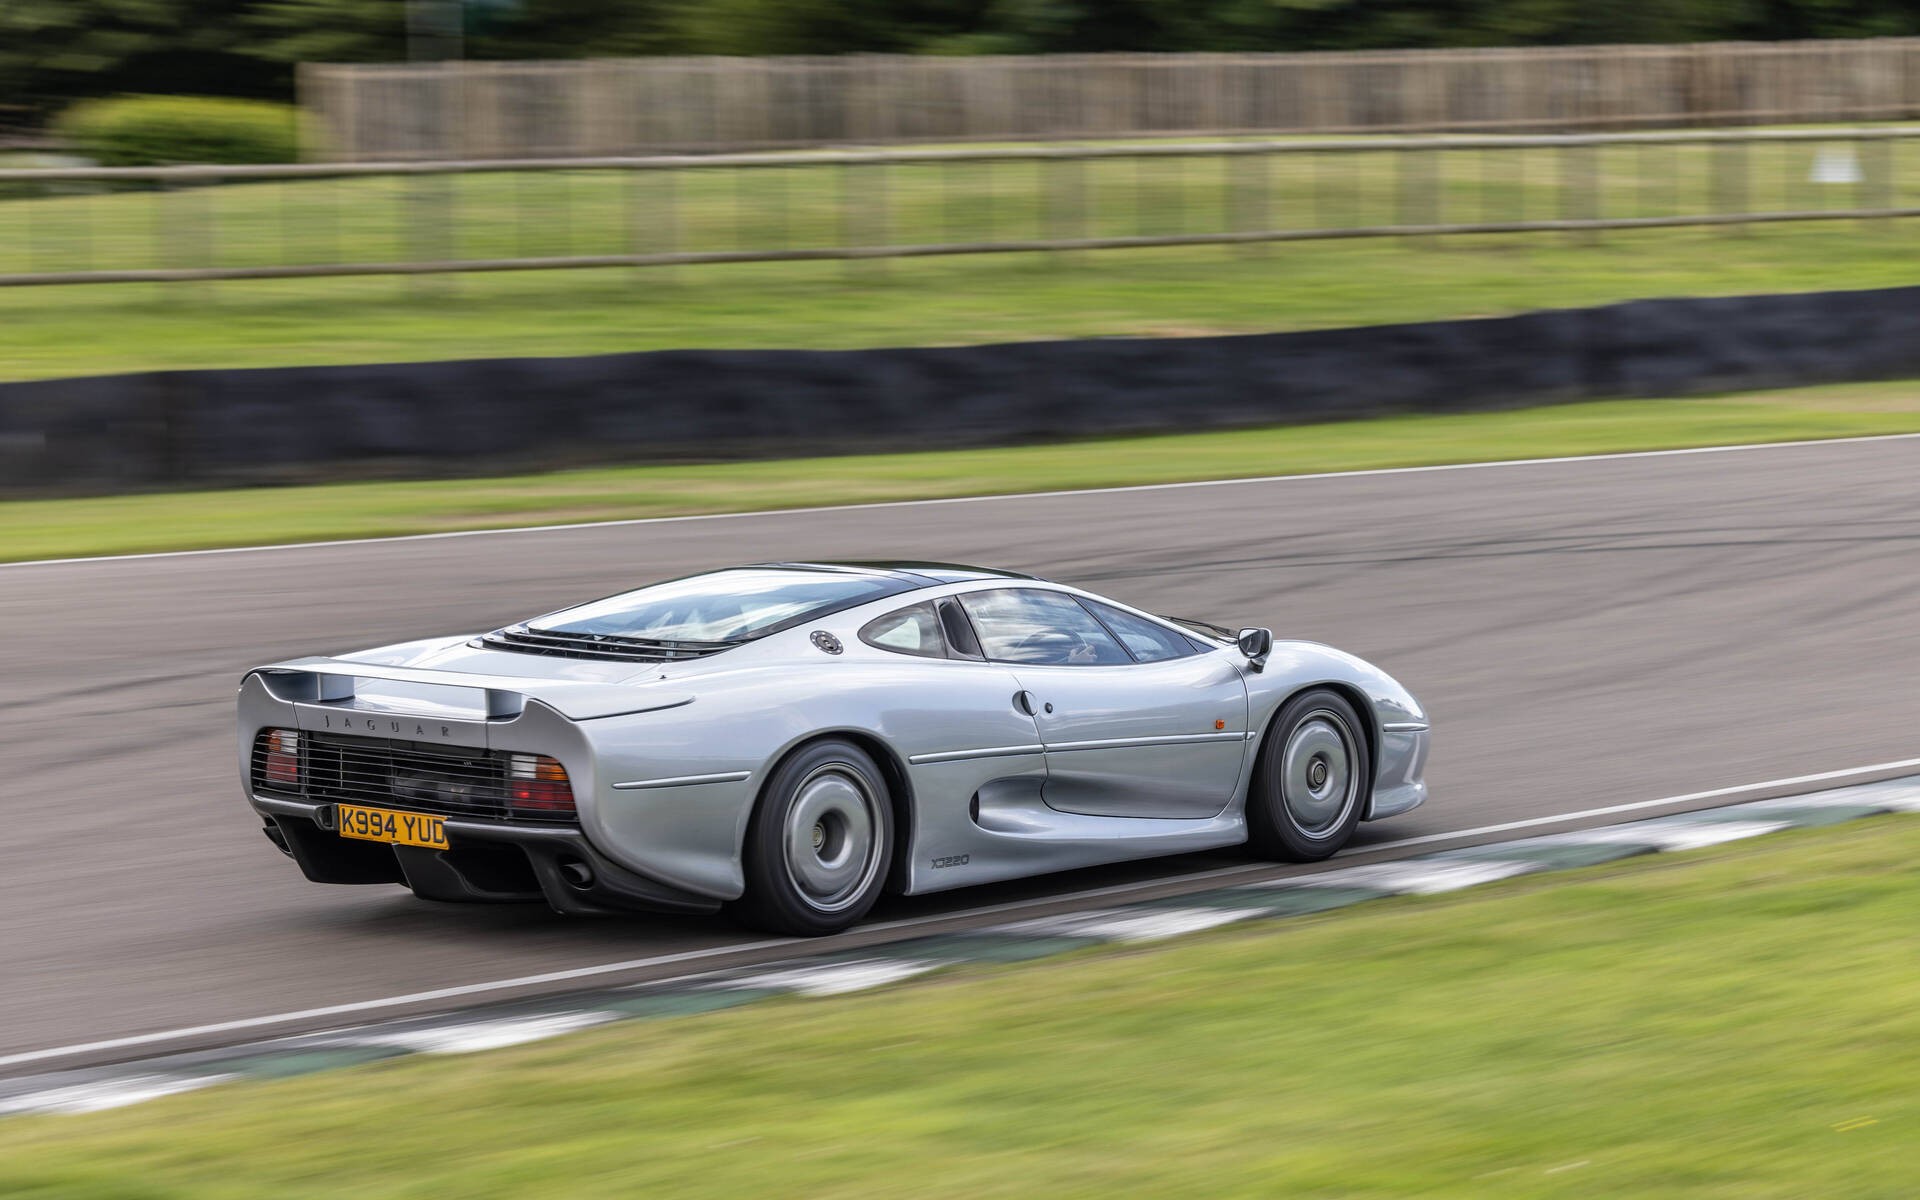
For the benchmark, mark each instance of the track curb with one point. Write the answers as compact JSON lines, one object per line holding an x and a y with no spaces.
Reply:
{"x":840,"y":972}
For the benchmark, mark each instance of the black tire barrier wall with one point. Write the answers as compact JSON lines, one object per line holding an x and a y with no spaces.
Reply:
{"x":307,"y":423}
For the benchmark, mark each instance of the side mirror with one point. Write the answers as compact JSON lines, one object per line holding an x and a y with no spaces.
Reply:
{"x":1256,"y":644}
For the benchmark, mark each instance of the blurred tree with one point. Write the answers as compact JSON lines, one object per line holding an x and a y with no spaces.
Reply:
{"x":54,"y":50}
{"x":330,"y":30}
{"x":376,"y":30}
{"x":569,"y":28}
{"x":1039,"y":26}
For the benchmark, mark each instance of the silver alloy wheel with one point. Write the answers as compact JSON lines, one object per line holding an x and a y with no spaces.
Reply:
{"x":831,"y":851}
{"x":1317,"y":784}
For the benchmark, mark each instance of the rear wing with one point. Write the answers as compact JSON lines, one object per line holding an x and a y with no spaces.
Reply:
{"x":332,"y":681}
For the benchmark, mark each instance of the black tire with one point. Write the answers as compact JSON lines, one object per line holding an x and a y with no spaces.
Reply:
{"x":820,"y":843}
{"x":1298,"y":811}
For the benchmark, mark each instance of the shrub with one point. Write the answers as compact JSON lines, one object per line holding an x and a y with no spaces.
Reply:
{"x":142,"y":131}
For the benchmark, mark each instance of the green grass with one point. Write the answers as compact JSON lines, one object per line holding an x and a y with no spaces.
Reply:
{"x":1693,"y":1025}
{"x":50,"y":332}
{"x":186,"y":520}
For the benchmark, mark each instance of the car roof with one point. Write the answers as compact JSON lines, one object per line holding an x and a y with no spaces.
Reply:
{"x":915,"y":573}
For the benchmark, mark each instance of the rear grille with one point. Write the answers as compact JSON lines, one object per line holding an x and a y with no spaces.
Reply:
{"x":525,"y":640}
{"x":454,"y":781}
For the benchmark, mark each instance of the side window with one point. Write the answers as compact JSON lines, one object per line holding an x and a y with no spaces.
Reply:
{"x":912,"y":630}
{"x":1149,"y":641}
{"x":1022,"y":625}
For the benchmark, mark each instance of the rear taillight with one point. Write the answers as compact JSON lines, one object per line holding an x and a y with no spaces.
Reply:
{"x":536,"y":783}
{"x":282,"y":764}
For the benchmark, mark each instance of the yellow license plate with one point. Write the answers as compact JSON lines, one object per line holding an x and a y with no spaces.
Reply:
{"x":385,"y":825}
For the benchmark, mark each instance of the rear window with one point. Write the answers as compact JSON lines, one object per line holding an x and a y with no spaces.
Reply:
{"x":722,"y":606}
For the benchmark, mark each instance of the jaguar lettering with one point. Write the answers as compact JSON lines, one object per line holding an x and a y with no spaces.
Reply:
{"x":419,"y":729}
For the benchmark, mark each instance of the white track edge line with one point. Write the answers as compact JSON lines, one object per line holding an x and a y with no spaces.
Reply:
{"x":828,"y":508}
{"x":1716,"y":793}
{"x":470,"y":989}
{"x":359,"y":1006}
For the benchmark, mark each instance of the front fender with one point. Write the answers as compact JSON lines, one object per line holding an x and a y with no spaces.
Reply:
{"x":1399,"y":724}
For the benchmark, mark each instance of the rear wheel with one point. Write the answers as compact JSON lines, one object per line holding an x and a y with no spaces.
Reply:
{"x":1312,"y":781}
{"x":820,"y":843}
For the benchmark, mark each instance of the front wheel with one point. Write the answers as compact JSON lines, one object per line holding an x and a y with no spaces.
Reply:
{"x":819,"y":844}
{"x":1312,"y":781}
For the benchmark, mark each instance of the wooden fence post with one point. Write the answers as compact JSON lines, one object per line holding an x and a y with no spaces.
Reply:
{"x":1730,"y":190}
{"x":1419,"y":198}
{"x":1876,"y":189}
{"x":654,"y":200}
{"x":430,"y":218}
{"x":863,"y":216}
{"x":1580,"y":191}
{"x":1066,"y":201}
{"x":1252,"y":207}
{"x":185,"y":224}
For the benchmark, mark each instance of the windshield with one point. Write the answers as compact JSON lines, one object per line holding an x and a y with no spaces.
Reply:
{"x":724,"y":606}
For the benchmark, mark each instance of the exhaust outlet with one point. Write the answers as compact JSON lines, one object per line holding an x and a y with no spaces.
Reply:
{"x":577,"y":874}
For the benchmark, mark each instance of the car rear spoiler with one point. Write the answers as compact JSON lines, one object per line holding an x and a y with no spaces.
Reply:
{"x":331,"y":680}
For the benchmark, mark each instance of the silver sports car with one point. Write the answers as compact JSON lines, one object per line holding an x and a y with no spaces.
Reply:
{"x":788,"y":740}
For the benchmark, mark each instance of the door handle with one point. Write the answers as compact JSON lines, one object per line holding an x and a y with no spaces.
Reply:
{"x":1023,"y":700}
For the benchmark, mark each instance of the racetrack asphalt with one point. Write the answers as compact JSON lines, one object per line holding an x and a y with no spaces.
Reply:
{"x":1583,"y":633}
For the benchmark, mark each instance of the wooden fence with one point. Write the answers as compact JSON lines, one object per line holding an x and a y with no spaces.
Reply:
{"x":156,"y":224}
{"x":628,"y":106}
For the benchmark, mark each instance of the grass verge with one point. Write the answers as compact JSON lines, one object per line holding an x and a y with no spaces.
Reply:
{"x":1735,"y":1023}
{"x":48,"y":332}
{"x":188,"y":520}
